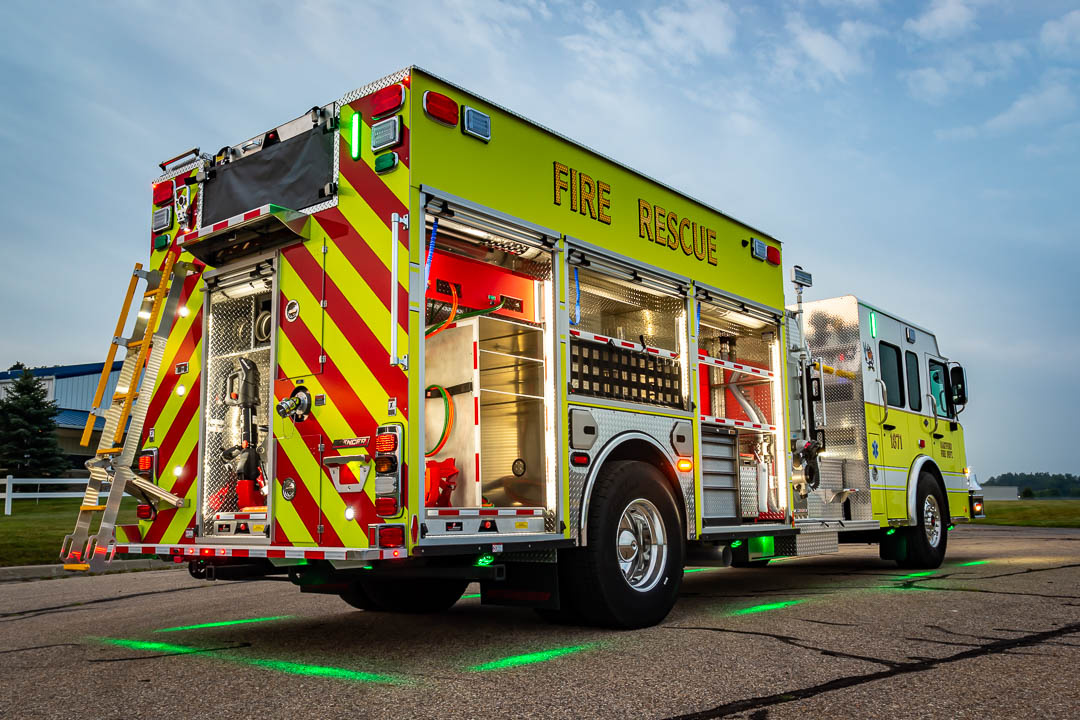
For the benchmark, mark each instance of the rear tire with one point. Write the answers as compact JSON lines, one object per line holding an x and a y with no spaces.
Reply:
{"x":628,"y":575}
{"x":926,"y":542}
{"x":405,"y":596}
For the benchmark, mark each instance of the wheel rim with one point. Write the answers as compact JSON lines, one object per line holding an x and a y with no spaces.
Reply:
{"x":641,"y":545}
{"x":932,"y":520}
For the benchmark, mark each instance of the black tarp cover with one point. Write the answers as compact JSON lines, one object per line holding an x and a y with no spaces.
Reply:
{"x":289,"y":173}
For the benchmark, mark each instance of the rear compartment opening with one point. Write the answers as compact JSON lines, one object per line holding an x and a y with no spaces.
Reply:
{"x":489,"y":425}
{"x":237,"y":403}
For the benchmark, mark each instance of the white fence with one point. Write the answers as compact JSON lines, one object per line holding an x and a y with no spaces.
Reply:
{"x":12,"y":482}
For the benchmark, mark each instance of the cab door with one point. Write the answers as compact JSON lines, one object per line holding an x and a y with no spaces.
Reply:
{"x":895,"y":449}
{"x":946,"y":435}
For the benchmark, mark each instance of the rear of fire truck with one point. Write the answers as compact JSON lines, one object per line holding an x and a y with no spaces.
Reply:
{"x":269,"y":432}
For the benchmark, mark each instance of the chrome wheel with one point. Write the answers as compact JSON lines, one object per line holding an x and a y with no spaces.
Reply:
{"x":641,"y":545}
{"x":932,"y":520}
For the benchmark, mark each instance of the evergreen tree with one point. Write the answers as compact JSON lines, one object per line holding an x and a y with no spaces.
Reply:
{"x":28,"y":446}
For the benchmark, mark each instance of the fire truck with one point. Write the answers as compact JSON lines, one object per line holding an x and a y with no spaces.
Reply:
{"x":411,"y":340}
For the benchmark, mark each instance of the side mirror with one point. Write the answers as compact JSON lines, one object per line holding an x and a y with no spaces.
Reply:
{"x":958,"y":381}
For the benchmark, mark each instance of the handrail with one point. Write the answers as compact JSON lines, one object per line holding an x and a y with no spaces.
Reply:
{"x":395,"y":221}
{"x":933,"y":409}
{"x":884,"y":404}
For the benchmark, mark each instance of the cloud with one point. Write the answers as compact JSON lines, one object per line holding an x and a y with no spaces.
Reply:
{"x":691,"y":30}
{"x":1053,"y":101}
{"x":1062,"y":37}
{"x":943,"y":19}
{"x":975,"y":66}
{"x":836,"y":56}
{"x":851,"y":4}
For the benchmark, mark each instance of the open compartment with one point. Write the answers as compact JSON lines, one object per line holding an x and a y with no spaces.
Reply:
{"x":741,"y":410}
{"x":489,"y":424}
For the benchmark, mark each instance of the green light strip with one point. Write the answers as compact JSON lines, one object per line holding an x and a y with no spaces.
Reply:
{"x":151,"y":646}
{"x":973,"y":562}
{"x":224,"y":623}
{"x":470,"y":597}
{"x":873,"y":324}
{"x":690,"y":570}
{"x":324,"y":671}
{"x":912,"y":576}
{"x":357,"y":121}
{"x":766,"y":607}
{"x":530,"y":658}
{"x":277,"y":665}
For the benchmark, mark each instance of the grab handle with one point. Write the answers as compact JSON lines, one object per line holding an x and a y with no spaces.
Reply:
{"x":397,"y":223}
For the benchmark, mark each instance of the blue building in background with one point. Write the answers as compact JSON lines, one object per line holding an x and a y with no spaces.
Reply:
{"x":72,"y":388}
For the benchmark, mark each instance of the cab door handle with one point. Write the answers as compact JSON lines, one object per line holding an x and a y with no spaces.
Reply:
{"x":938,"y":436}
{"x":889,"y":427}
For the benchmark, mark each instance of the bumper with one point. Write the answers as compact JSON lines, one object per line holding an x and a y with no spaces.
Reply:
{"x":191,"y":552}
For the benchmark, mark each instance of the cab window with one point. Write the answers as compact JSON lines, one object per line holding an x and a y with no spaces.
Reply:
{"x":891,"y":373}
{"x":913,"y":386}
{"x":939,"y":388}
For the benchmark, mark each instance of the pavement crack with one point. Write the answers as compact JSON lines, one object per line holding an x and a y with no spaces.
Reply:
{"x":38,"y":612}
{"x":39,"y":647}
{"x":789,"y":640}
{"x":996,"y":647}
{"x":1028,"y":571}
{"x":827,"y":622}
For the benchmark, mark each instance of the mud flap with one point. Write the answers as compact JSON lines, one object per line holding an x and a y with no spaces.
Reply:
{"x":893,"y":547}
{"x":527,"y":584}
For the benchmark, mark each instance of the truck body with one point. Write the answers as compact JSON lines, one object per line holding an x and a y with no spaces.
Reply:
{"x":411,"y":339}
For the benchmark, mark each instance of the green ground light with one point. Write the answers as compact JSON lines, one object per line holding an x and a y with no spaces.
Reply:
{"x":224,"y":623}
{"x":530,"y":658}
{"x":690,"y":570}
{"x":470,"y":597}
{"x":973,"y":562}
{"x":766,"y":607}
{"x":291,"y":668}
{"x":912,"y":576}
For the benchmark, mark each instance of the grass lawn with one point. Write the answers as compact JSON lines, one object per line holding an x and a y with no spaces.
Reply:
{"x":1033,"y":513}
{"x":32,"y":533}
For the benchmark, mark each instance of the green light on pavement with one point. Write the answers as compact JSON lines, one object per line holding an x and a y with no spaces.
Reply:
{"x":973,"y":562}
{"x":530,"y":658}
{"x":470,"y":597}
{"x":151,"y":646}
{"x":912,"y":576}
{"x":737,"y":543}
{"x":690,"y":570}
{"x":766,"y":607}
{"x":485,"y":560}
{"x":324,"y":671}
{"x":224,"y":623}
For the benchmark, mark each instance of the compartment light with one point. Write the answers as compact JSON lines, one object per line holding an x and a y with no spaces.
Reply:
{"x":350,"y":514}
{"x":441,"y":108}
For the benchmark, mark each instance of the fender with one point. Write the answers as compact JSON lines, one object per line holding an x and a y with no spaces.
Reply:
{"x":913,"y":485}
{"x":598,"y":463}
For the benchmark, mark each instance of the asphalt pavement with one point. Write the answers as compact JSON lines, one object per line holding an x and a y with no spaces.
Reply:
{"x":995,"y":632}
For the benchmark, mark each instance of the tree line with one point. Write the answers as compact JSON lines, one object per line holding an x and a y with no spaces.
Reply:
{"x":1040,"y":484}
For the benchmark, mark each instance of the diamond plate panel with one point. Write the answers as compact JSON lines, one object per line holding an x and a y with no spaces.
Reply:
{"x":748,"y":490}
{"x":832,"y":482}
{"x":611,"y":423}
{"x":816,"y":543}
{"x":377,"y":85}
{"x":832,"y":331}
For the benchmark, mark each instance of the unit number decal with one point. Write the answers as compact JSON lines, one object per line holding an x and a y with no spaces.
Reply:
{"x":896,"y":442}
{"x":292,"y":310}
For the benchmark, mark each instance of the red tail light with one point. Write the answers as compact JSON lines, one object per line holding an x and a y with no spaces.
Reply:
{"x":579,"y":459}
{"x":391,"y":536}
{"x":386,"y":506}
{"x":388,"y":100}
{"x":772,"y":255}
{"x":144,"y":512}
{"x":441,"y":108}
{"x":386,"y":442}
{"x":146,"y":462}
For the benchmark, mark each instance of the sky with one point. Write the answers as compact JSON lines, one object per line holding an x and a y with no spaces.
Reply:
{"x":924,"y":155}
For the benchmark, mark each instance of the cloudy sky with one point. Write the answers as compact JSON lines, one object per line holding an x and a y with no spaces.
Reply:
{"x":923,"y":155}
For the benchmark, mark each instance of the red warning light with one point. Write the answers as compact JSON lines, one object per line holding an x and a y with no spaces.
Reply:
{"x":386,"y":442}
{"x":388,"y":100}
{"x":441,"y":108}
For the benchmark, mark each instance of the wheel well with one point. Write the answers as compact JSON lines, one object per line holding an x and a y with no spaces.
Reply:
{"x":644,"y":451}
{"x":932,"y":468}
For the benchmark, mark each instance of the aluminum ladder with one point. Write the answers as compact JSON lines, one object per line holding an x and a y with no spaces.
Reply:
{"x":124,"y":416}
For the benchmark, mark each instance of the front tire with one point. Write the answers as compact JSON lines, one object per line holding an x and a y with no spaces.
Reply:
{"x":628,"y":575}
{"x":927,"y":541}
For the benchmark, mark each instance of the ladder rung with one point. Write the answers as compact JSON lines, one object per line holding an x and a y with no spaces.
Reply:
{"x":91,"y":507}
{"x":109,"y":451}
{"x":121,"y":396}
{"x":133,"y":343}
{"x":77,"y":566}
